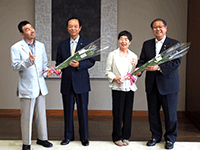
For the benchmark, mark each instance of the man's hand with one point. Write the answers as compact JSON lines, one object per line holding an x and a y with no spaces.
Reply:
{"x":152,"y":68}
{"x":31,"y":57}
{"x":50,"y":72}
{"x":74,"y":63}
{"x":118,"y":80}
{"x":59,"y":70}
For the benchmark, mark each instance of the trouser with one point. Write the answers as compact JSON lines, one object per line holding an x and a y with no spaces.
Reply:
{"x":82,"y":108}
{"x":28,"y":105}
{"x":169,"y":105}
{"x":122,"y":108}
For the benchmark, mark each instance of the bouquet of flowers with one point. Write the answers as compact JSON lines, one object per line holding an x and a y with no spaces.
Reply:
{"x":91,"y":50}
{"x":176,"y":51}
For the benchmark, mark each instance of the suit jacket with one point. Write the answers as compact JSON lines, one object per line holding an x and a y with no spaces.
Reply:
{"x":78,"y":78}
{"x":168,"y":79}
{"x":113,"y":68}
{"x":31,"y":80}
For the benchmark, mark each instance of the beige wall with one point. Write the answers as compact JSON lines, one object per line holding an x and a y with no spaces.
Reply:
{"x":11,"y":13}
{"x":136,"y":16}
{"x":133,"y":15}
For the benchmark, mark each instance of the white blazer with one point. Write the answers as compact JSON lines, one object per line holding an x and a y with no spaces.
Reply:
{"x":31,"y":80}
{"x":113,"y":68}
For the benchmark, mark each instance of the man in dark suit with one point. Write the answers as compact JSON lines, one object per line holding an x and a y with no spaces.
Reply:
{"x":162,"y":85}
{"x":75,"y":83}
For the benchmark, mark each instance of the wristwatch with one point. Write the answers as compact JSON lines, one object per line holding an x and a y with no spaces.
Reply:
{"x":158,"y":68}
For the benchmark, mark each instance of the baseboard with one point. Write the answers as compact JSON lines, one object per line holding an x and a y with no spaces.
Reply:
{"x":16,"y":112}
{"x":192,"y":119}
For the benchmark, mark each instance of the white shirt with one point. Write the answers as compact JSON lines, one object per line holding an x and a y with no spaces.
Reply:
{"x":159,"y":45}
{"x":72,"y":44}
{"x":117,"y":67}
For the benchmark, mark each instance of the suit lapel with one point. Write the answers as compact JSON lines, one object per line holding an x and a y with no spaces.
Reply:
{"x":66,"y":50}
{"x":25,"y":47}
{"x":165,"y":45}
{"x":36,"y":47}
{"x":152,"y":49}
{"x":79,"y":44}
{"x":117,"y":61}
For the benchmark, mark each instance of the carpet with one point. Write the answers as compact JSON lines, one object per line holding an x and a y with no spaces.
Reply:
{"x":98,"y":145}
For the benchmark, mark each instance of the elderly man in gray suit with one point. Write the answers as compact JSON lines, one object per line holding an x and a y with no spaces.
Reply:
{"x":29,"y":59}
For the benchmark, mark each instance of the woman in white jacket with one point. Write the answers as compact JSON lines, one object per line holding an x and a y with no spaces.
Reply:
{"x":119,"y":63}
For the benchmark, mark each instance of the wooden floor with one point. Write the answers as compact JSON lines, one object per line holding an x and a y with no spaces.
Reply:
{"x":100,"y":129}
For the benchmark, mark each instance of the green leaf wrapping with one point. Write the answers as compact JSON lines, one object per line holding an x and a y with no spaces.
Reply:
{"x":176,"y":51}
{"x":77,"y":56}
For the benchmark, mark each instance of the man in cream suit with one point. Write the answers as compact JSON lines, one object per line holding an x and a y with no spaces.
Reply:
{"x":29,"y":59}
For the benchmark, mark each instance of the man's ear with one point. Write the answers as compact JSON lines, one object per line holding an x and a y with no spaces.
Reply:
{"x":22,"y":34}
{"x":80,"y":28}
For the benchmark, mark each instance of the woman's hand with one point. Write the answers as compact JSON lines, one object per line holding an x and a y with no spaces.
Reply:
{"x":127,"y":78}
{"x":137,"y":74}
{"x":118,"y":80}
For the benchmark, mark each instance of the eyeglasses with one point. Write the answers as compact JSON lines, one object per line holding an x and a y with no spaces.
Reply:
{"x":155,"y":27}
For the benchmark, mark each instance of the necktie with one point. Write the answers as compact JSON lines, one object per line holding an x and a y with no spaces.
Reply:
{"x":74,"y":48}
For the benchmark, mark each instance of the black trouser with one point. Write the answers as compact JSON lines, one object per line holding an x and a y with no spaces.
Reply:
{"x":169,"y":105}
{"x":82,"y":108}
{"x":122,"y":108}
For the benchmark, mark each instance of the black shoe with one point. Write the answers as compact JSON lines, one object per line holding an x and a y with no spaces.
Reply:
{"x":152,"y":142}
{"x":26,"y":147}
{"x":169,"y":145}
{"x":44,"y":143}
{"x":85,"y":142}
{"x":66,"y":141}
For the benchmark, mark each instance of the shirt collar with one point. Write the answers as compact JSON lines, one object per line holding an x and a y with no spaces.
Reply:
{"x":29,"y":43}
{"x":161,"y":41}
{"x":127,"y":51}
{"x":76,"y":40}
